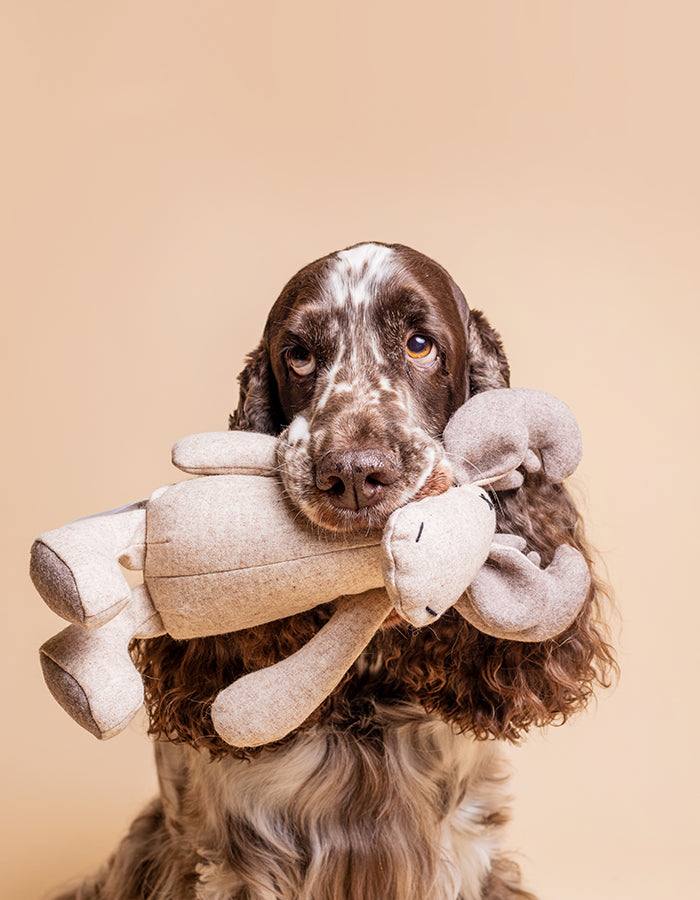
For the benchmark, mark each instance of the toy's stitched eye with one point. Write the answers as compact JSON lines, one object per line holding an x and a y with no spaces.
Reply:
{"x":421,"y":350}
{"x":301,"y":360}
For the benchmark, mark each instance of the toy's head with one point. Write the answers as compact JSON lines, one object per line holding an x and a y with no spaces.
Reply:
{"x":367,"y":353}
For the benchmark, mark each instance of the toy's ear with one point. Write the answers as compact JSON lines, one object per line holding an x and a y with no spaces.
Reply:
{"x":258,"y":403}
{"x":487,"y":363}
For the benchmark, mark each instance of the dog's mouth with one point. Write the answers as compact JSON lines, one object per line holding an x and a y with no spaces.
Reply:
{"x":346,"y":521}
{"x":322,"y":510}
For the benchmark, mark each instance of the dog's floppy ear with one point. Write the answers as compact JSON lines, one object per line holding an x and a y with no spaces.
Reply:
{"x":487,"y":362}
{"x":258,"y":403}
{"x":487,"y":365}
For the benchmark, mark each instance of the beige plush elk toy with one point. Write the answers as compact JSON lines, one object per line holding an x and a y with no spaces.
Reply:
{"x":224,"y":551}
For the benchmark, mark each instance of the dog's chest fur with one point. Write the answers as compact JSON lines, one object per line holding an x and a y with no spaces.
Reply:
{"x":416,"y":812}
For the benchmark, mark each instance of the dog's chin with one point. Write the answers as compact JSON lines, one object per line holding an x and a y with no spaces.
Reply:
{"x":370,"y":520}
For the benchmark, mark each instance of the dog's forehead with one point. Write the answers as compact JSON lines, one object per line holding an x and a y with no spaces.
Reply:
{"x":350,"y":283}
{"x":343,"y":285}
{"x":367,"y":290}
{"x":353,"y":276}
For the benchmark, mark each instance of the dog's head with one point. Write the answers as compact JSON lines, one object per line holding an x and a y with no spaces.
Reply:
{"x":365,"y":356}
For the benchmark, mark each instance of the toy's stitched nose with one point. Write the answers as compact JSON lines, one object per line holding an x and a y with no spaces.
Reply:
{"x":356,"y":479}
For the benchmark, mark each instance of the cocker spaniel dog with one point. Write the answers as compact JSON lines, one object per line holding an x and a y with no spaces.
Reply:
{"x":396,"y":787}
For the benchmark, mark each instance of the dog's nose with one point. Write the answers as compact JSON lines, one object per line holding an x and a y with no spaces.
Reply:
{"x":356,"y":479}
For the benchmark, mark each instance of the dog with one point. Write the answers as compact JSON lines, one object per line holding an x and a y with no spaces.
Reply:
{"x":396,"y":788}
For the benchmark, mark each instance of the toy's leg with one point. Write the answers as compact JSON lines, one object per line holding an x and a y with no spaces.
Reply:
{"x":90,"y":672}
{"x":75,"y":568}
{"x":266,"y":705}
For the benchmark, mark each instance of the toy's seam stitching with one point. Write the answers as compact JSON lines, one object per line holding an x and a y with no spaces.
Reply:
{"x":265,"y":471}
{"x":284,"y":562}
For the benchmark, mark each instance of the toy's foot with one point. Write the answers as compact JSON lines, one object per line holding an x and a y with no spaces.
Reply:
{"x":68,"y":693}
{"x":76,"y":570}
{"x":55,"y":582}
{"x":95,"y":683}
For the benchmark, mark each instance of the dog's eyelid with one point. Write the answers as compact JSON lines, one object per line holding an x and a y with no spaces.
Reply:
{"x":291,"y":340}
{"x":299,"y":351}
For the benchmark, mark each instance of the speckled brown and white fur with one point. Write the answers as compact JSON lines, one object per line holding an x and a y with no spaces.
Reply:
{"x":396,"y":787}
{"x":326,"y":817}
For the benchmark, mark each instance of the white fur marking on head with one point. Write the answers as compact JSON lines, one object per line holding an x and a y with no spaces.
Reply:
{"x":427,"y":469}
{"x":330,"y":378}
{"x":298,"y":430}
{"x":386,"y":385}
{"x":355,"y":273}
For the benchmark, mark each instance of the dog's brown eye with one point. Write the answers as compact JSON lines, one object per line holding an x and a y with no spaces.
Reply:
{"x":421,"y":349}
{"x":301,"y":360}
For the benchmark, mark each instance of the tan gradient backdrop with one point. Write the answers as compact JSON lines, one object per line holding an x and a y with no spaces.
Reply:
{"x":167,"y":165}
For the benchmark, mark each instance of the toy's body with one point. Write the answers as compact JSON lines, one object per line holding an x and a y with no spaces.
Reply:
{"x":225,"y":551}
{"x":204,"y":579}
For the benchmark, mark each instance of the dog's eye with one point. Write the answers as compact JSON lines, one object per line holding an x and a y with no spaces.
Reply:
{"x":301,"y":360}
{"x":421,"y":349}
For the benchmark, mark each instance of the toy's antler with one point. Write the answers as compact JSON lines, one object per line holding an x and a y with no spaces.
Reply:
{"x":488,"y":440}
{"x":498,"y":431}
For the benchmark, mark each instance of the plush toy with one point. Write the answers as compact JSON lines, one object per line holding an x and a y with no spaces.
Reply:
{"x":225,"y":551}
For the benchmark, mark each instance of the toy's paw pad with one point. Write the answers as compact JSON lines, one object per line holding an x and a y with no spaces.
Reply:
{"x":56,"y":584}
{"x":69,"y":695}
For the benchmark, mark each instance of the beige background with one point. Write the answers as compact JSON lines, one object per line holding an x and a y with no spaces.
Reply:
{"x":167,"y":165}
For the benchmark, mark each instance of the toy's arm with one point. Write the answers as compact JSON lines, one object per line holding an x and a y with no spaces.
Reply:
{"x":266,"y":705}
{"x":512,"y":597}
{"x":226,"y":453}
{"x":496,"y":432}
